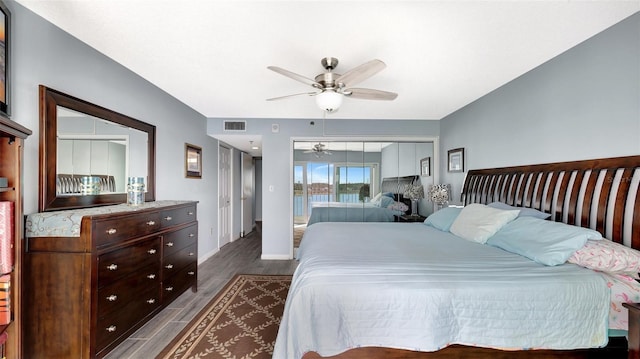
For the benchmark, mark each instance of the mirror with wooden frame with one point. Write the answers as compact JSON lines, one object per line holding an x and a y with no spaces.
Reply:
{"x":87,"y":152}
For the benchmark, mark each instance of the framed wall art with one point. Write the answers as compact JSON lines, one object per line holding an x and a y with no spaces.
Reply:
{"x":193,"y":161}
{"x":455,"y":160}
{"x":425,"y":166}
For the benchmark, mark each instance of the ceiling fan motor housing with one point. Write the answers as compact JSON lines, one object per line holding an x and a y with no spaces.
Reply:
{"x":328,"y":80}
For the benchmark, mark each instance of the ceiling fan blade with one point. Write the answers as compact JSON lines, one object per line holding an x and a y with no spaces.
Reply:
{"x":297,"y":94}
{"x":361,"y":73}
{"x":370,"y":94}
{"x":304,"y":80}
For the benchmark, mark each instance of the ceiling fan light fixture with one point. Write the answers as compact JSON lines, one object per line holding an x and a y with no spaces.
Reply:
{"x":329,"y":100}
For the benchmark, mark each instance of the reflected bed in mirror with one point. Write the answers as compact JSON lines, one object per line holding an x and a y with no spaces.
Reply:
{"x":87,"y":152}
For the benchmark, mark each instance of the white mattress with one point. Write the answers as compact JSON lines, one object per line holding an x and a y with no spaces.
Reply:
{"x":409,"y":286}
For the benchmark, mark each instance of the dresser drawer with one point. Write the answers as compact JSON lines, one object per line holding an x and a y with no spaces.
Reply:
{"x":175,"y":241}
{"x":122,"y":262}
{"x":119,"y":229}
{"x":113,"y":325}
{"x":180,"y":259}
{"x":173,"y":217}
{"x":126,"y":290}
{"x":173,"y":286}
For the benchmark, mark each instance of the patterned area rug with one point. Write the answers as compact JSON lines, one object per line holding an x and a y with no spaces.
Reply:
{"x":240,"y":322}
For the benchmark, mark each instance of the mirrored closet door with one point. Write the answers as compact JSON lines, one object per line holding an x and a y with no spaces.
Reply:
{"x":359,"y":181}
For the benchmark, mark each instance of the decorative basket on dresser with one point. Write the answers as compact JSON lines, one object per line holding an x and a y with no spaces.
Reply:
{"x":93,"y":276}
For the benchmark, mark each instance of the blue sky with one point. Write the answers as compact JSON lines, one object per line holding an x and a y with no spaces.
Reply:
{"x":321,"y":172}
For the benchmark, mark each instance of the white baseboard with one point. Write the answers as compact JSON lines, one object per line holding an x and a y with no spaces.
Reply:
{"x":277,"y":257}
{"x":207,"y":256}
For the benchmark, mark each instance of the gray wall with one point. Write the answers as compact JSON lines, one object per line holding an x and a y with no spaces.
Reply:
{"x":43,"y":54}
{"x":258,"y":189}
{"x":583,"y":104}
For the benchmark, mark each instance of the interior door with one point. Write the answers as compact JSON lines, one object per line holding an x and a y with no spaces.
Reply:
{"x":224,"y":198}
{"x":247,"y":193}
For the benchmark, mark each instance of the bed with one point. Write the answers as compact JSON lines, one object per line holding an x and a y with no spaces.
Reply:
{"x":378,"y":210}
{"x":418,"y":292}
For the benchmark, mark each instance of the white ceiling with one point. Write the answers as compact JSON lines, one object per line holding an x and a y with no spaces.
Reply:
{"x":440,"y":55}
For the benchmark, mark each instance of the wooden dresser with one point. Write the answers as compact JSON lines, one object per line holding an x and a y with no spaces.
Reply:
{"x":94,"y":276}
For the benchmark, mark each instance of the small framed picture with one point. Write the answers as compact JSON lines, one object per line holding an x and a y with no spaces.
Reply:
{"x":456,"y":160}
{"x":193,"y":161}
{"x":425,"y":166}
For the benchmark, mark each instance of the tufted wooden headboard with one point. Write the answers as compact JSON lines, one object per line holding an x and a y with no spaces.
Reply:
{"x":601,"y":194}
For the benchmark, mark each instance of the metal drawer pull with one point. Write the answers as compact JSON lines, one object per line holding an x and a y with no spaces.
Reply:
{"x":151,"y":223}
{"x":112,"y":298}
{"x":112,"y":267}
{"x":190,"y":213}
{"x":169,"y":244}
{"x":111,"y":328}
{"x":191,"y":235}
{"x":151,"y":276}
{"x":169,"y":266}
{"x":191,"y":273}
{"x":151,"y":251}
{"x":191,"y":254}
{"x":168,"y":289}
{"x":151,"y":301}
{"x":111,"y":231}
{"x":168,"y":218}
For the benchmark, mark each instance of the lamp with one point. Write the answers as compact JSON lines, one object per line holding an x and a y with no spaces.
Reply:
{"x":414,"y":192}
{"x":329,"y":100}
{"x":439,"y":194}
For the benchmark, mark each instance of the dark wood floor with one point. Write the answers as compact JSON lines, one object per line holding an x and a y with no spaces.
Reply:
{"x":240,"y":256}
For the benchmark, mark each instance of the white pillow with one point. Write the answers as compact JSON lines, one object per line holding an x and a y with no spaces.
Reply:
{"x":477,"y":222}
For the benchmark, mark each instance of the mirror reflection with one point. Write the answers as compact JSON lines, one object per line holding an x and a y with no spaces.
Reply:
{"x":96,"y":156}
{"x":359,"y":181}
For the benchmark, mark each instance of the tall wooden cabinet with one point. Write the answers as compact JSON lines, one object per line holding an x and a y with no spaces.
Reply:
{"x":93,"y":276}
{"x":12,"y":136}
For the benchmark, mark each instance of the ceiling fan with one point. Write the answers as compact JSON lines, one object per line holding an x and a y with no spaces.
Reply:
{"x":331,"y":87}
{"x":318,"y":150}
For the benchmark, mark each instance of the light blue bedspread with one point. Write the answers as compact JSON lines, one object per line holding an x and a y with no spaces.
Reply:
{"x":350,"y":212}
{"x":409,"y":286}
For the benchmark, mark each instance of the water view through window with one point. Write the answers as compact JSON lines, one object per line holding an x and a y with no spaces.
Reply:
{"x":323,"y":182}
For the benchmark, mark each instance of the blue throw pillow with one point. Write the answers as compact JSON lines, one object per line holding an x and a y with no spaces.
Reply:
{"x":524,"y":212}
{"x":546,"y":242}
{"x":443,"y":218}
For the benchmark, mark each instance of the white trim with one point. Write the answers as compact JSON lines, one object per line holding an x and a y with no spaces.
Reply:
{"x":291,"y":174}
{"x":208,"y":255}
{"x":277,"y":257}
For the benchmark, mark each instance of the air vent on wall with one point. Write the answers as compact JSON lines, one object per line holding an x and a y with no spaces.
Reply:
{"x":235,"y":125}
